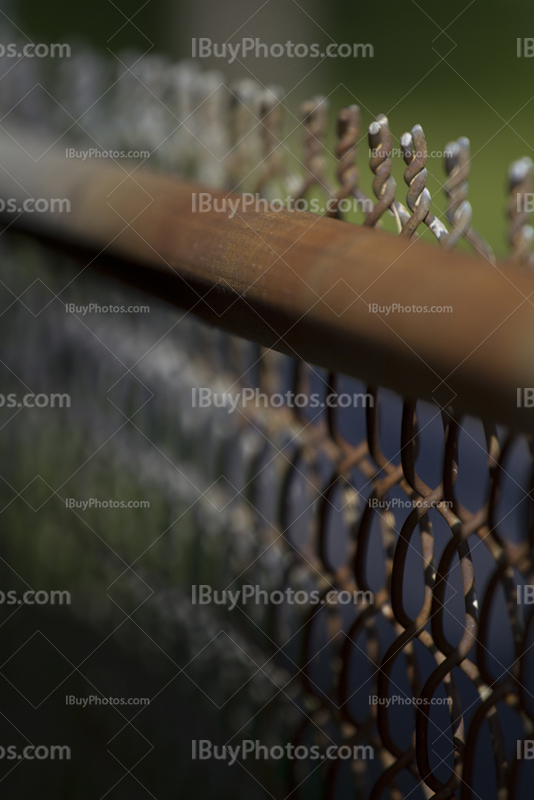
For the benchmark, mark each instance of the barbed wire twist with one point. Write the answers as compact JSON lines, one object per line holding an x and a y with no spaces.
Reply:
{"x":520,"y":232}
{"x":459,"y":212}
{"x":314,"y":115}
{"x":348,"y":132}
{"x":415,"y":175}
{"x":384,"y":186}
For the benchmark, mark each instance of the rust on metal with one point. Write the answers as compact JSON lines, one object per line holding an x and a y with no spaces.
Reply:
{"x":317,"y":289}
{"x":274,"y":269}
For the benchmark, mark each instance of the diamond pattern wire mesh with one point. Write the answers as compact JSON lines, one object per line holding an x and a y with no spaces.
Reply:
{"x":323,"y":483}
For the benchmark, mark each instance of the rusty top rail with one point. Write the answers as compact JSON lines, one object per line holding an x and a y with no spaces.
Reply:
{"x":297,"y":282}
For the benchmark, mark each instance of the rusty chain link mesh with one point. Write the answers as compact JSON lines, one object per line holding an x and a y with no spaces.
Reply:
{"x":313,"y":499}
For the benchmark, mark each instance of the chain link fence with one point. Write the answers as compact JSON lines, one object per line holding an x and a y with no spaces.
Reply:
{"x":341,"y":567}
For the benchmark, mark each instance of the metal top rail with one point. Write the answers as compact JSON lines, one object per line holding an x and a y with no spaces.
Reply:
{"x":296,"y":282}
